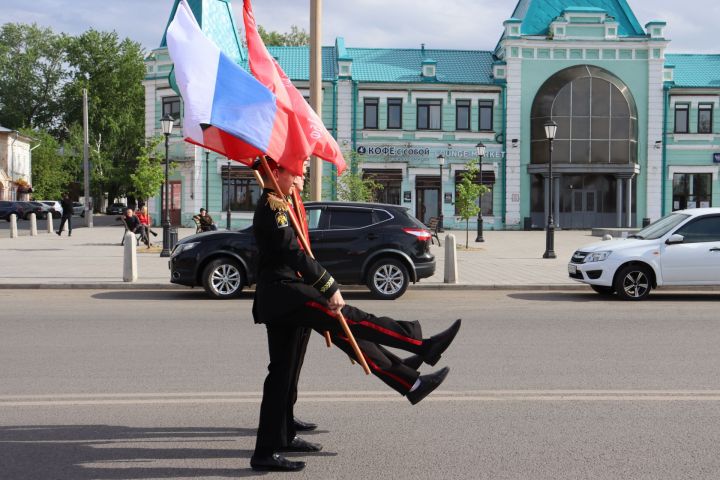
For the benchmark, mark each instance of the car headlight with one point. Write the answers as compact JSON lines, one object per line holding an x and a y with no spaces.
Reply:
{"x":597,"y":256}
{"x":182,"y":247}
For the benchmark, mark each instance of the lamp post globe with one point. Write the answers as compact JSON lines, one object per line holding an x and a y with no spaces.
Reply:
{"x":480,"y":149}
{"x":167,"y":122}
{"x":441,"y":163}
{"x":550,"y":131}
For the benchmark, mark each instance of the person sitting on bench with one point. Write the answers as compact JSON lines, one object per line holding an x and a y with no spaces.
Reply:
{"x":205,"y":221}
{"x":144,"y":217}
{"x":135,"y":226}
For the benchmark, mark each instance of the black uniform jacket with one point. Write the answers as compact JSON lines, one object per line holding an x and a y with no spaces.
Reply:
{"x":287,"y":277}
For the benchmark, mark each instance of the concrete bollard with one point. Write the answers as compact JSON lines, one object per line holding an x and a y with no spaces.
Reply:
{"x":451,"y":273}
{"x":130,"y":259}
{"x":607,"y":237}
{"x":33,"y":225}
{"x":50,"y":227}
{"x":13,"y":226}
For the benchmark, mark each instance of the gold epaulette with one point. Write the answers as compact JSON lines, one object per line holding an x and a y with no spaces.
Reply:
{"x":276,"y":203}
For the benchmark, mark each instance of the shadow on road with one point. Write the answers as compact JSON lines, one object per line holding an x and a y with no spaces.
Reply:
{"x":583,"y":297}
{"x":197,"y":294}
{"x":67,"y":452}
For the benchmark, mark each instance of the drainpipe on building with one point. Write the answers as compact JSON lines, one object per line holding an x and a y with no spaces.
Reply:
{"x":12,"y":163}
{"x":333,"y":189}
{"x":503,"y":160}
{"x":666,"y":98}
{"x":354,"y":119}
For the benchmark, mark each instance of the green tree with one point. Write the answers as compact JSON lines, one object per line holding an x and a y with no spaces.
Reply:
{"x":112,"y":70}
{"x":149,"y":175}
{"x":353,"y":187}
{"x":297,"y":37}
{"x":49,"y":168}
{"x":468,"y":194}
{"x":32,"y":72}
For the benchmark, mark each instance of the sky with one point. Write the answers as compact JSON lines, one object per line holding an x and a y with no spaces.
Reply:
{"x":445,"y":24}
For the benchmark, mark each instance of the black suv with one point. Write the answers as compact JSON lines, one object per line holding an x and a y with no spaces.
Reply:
{"x":381,"y":246}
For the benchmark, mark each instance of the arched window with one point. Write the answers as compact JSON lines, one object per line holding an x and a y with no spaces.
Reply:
{"x":596,"y":117}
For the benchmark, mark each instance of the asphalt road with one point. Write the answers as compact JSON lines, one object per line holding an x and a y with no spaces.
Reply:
{"x":550,"y":385}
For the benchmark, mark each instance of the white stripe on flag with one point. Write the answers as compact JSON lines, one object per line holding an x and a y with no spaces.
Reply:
{"x":196,"y":63}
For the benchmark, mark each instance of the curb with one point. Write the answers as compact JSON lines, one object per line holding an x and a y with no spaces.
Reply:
{"x":346,"y":288}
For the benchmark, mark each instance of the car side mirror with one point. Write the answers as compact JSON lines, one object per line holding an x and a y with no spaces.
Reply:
{"x":675,"y":238}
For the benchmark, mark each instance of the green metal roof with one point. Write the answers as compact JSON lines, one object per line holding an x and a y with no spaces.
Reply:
{"x":695,"y":70}
{"x":217,"y":22}
{"x":295,"y":62}
{"x":538,"y":14}
{"x":404,"y":65}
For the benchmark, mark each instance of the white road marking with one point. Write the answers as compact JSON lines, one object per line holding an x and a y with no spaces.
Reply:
{"x":90,"y":399}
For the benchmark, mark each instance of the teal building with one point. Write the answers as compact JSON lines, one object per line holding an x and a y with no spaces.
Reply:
{"x":636,"y":136}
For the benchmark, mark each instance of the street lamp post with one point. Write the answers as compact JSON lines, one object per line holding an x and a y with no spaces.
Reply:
{"x":441,"y":162}
{"x":480,"y":148}
{"x":228,"y":197}
{"x":207,"y":180}
{"x":167,"y":124}
{"x":550,"y":130}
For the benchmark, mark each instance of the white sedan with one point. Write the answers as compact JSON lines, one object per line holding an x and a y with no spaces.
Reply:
{"x":682,"y":248}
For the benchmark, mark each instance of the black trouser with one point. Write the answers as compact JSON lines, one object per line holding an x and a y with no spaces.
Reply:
{"x":276,"y":411}
{"x":303,"y":339}
{"x":284,"y":335}
{"x":69,"y":223}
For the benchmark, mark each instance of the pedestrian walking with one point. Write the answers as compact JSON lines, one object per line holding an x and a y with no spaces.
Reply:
{"x":67,"y":207}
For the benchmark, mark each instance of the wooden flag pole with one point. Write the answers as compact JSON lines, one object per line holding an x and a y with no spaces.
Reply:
{"x":303,"y":241}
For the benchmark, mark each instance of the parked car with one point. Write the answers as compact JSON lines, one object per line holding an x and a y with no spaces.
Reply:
{"x":78,"y":209}
{"x":8,"y":207}
{"x":39,"y":209}
{"x":381,"y":246}
{"x":56,"y":207}
{"x":28,"y":208}
{"x":116,"y":209}
{"x":682,"y":248}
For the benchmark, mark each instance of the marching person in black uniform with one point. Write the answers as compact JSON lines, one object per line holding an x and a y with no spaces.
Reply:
{"x":294,"y":291}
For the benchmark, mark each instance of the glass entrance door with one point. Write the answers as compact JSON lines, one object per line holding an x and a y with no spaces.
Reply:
{"x":427,"y":192}
{"x":583,"y":209}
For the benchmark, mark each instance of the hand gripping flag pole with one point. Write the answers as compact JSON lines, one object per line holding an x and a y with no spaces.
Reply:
{"x":303,"y":241}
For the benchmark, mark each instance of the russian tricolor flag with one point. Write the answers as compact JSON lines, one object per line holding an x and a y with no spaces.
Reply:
{"x":226,"y":109}
{"x":232,"y":113}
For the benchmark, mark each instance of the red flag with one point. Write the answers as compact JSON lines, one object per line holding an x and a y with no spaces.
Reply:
{"x":305,"y":131}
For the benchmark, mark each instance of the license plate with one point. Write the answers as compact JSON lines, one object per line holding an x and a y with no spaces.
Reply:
{"x":572,"y":268}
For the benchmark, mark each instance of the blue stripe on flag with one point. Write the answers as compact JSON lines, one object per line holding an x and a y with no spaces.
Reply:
{"x":242,"y":106}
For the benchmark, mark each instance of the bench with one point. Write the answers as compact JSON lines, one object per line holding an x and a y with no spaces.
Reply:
{"x":138,"y":235}
{"x":199,"y":227}
{"x":434,"y":225}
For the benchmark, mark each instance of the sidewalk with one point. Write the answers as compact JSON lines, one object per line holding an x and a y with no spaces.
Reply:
{"x":93,"y":258}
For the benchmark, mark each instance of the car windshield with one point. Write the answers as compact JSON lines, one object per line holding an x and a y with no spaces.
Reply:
{"x":659,"y":228}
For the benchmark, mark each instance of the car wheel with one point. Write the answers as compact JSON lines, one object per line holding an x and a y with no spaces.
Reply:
{"x":633,"y":282}
{"x":223,"y":278}
{"x":602,"y":290}
{"x":388,"y":279}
